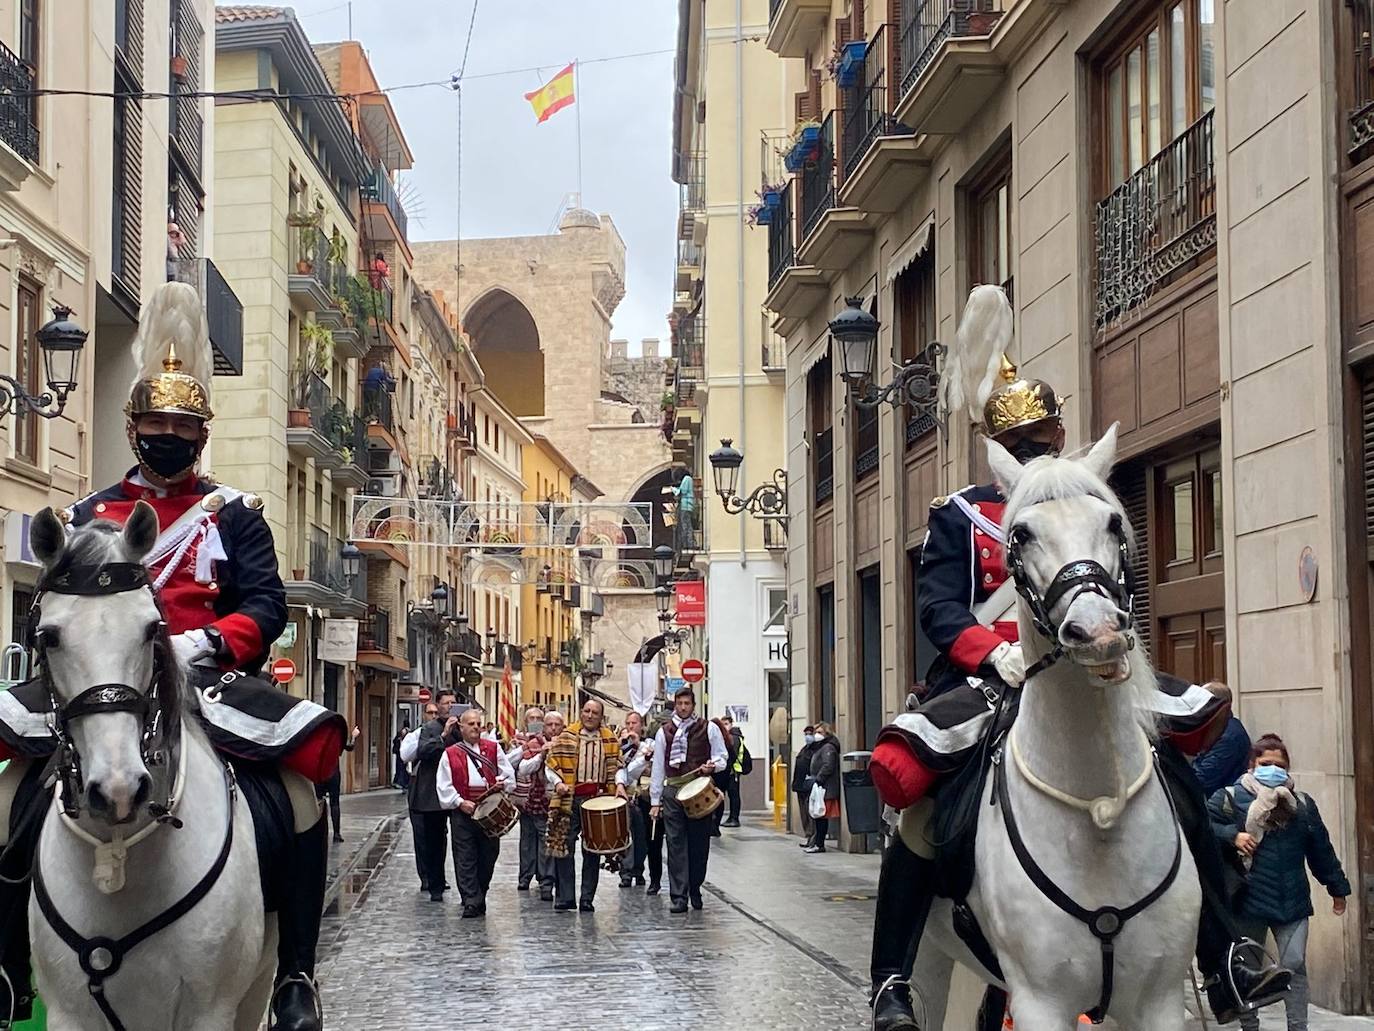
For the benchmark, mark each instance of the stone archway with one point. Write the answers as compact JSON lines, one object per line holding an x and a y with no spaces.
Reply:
{"x":506,"y":340}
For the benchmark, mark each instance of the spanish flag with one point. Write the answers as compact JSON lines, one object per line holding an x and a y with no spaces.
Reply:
{"x":553,"y":96}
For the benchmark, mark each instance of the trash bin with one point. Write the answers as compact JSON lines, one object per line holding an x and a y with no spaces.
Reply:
{"x":862,"y":809}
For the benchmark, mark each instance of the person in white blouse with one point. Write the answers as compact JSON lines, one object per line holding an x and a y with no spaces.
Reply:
{"x":636,"y":753}
{"x":470,"y":768}
{"x":533,"y":785}
{"x":686,"y":747}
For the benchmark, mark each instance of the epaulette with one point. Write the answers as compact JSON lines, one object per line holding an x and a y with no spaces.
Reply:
{"x":943,"y":499}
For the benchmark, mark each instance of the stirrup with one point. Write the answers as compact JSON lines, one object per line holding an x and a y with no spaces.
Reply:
{"x":1279,"y":979}
{"x":304,"y":979}
{"x":913,"y":994}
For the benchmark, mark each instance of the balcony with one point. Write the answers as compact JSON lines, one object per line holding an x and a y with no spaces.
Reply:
{"x":881,"y":162}
{"x":379,"y":195}
{"x":774,"y":534}
{"x":223,"y":312}
{"x":823,"y":466}
{"x":186,"y":129}
{"x":1361,"y":115}
{"x":774,"y":357}
{"x":465,"y":646}
{"x":18,"y":132}
{"x":332,"y":435}
{"x":793,"y":289}
{"x":377,"y":408}
{"x":436,"y":480}
{"x":689,"y":262}
{"x":953,"y":55}
{"x":831,"y":237}
{"x":1155,"y":223}
{"x":309,"y":281}
{"x":502,"y":652}
{"x":692,"y":201}
{"x":322,"y":583}
{"x":376,"y":646}
{"x":794,"y":26}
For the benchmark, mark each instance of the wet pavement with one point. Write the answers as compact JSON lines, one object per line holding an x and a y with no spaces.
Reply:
{"x":782,"y":943}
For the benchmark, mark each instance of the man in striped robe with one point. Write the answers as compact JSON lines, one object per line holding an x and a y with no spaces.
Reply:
{"x":586,"y":758}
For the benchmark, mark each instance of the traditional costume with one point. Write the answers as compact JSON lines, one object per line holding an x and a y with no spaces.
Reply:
{"x":533,"y":784}
{"x":466,"y":773}
{"x":429,"y":823}
{"x":967,"y":607}
{"x":633,"y":777}
{"x":214,"y":569}
{"x":586,"y":762}
{"x":681,"y":748}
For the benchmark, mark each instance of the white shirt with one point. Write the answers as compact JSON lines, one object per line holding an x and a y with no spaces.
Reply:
{"x":528,"y":767}
{"x":634,"y":769}
{"x":720,"y":758}
{"x":410,"y":745}
{"x":443,"y":781}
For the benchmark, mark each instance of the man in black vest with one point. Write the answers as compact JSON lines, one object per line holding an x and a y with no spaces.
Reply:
{"x":425,"y":747}
{"x":686,"y":747}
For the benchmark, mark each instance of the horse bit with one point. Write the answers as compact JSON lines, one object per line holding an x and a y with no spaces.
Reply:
{"x":101,"y":957}
{"x":1085,"y":575}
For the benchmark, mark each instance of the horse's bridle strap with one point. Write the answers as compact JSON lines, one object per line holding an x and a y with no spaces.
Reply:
{"x":97,"y":579}
{"x":104,"y":698}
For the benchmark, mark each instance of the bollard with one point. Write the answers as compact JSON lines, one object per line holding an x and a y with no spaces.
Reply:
{"x":779,"y":791}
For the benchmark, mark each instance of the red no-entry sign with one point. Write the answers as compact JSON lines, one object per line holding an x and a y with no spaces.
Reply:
{"x":693,"y":671}
{"x":283,"y":670}
{"x":423,"y":694}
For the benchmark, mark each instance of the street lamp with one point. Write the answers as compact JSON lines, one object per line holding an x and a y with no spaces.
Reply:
{"x":916,"y":382}
{"x":352,"y":558}
{"x":767,"y":501}
{"x":61,"y":341}
{"x":663,"y":600}
{"x":440,"y":597}
{"x":663,"y":562}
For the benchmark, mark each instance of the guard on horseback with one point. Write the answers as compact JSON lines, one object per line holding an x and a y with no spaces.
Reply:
{"x":968,"y":610}
{"x":214,"y":571}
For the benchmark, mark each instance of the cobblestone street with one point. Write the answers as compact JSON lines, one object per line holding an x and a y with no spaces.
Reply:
{"x":782,"y":943}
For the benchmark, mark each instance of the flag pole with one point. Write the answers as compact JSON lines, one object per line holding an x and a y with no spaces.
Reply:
{"x":577,"y":106}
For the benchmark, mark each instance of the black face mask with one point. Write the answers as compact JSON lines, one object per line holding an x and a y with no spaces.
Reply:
{"x":1026,"y":449}
{"x":166,"y":454}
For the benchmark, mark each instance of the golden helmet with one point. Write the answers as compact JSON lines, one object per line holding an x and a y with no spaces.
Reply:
{"x":1017,"y":402}
{"x":172,"y":350}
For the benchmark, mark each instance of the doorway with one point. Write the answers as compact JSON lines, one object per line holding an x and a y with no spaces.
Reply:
{"x":376,"y":776}
{"x":870,"y":656}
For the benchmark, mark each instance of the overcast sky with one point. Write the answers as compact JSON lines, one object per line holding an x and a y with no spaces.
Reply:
{"x":516,"y":172}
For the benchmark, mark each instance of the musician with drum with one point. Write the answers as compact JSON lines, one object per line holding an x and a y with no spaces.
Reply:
{"x":473,"y":773}
{"x":687,"y":750}
{"x":586,"y":758}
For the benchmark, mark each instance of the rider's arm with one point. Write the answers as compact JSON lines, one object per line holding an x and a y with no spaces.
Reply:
{"x":260,"y":616}
{"x":945,"y":591}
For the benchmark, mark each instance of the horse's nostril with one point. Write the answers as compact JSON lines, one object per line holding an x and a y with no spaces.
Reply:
{"x":145,"y":788}
{"x":1074,"y":633}
{"x":97,"y":798}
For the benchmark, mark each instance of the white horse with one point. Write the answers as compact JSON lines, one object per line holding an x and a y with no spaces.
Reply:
{"x":111,"y":875}
{"x":1091,"y":810}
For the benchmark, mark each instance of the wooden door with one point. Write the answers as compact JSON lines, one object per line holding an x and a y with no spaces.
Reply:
{"x":376,"y":733}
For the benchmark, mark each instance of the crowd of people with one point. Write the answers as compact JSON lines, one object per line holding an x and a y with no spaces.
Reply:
{"x":625,"y":794}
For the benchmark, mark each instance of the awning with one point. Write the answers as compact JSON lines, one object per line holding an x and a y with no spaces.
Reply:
{"x":911,"y":249}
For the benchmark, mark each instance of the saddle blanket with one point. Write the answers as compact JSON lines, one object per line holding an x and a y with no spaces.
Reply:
{"x":245,"y":717}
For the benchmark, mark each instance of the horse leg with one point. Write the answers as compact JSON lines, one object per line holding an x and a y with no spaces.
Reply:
{"x":930,"y":987}
{"x":1032,"y":1011}
{"x":253,"y":1006}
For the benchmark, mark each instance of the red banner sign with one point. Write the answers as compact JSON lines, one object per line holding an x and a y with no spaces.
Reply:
{"x":691,"y":603}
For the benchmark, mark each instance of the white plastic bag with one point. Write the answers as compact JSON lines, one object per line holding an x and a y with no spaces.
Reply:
{"x":816,"y":803}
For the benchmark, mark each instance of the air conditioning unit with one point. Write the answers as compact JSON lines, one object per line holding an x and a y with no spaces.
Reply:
{"x":383,"y":461}
{"x":384,"y":486}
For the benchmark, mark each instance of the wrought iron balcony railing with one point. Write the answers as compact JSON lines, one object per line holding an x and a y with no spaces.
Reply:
{"x":782,"y":247}
{"x":868,"y":103}
{"x":379,"y":189}
{"x":925,"y":27}
{"x":692,"y":193}
{"x":377,"y":407}
{"x":823,"y":465}
{"x":818,"y":178}
{"x":689,"y":346}
{"x":1361,"y":22}
{"x":374,"y":631}
{"x":17,"y":127}
{"x":1156,"y":222}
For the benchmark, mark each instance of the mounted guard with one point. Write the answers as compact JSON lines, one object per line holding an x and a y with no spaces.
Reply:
{"x":968,"y":609}
{"x":213,"y":569}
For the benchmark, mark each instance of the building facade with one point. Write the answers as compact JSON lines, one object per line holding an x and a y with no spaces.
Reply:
{"x":1191,"y":274}
{"x":728,"y":380}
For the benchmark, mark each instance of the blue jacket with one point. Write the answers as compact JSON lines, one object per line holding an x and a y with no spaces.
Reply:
{"x":1277,"y":891}
{"x":1227,"y":760}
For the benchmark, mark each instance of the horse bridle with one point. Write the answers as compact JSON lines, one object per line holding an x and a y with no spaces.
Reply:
{"x":1081,"y":576}
{"x":101,"y":581}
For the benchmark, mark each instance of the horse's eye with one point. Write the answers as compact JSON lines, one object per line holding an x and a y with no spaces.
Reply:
{"x":1115,"y":526}
{"x":48,"y":638}
{"x":1022,"y":535}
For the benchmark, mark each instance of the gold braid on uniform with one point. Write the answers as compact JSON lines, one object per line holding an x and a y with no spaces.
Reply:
{"x":563,"y":761}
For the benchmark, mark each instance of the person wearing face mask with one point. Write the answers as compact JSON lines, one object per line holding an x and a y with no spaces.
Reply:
{"x":801,"y":780}
{"x":531,"y":797}
{"x":967,"y":606}
{"x":1276,"y":834}
{"x":214,"y":570}
{"x":635,"y":753}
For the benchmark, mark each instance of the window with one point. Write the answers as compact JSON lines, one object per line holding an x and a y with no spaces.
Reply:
{"x":923,"y":652}
{"x":993,"y":239}
{"x":30,"y":45}
{"x":28,"y":369}
{"x":21,"y":603}
{"x":1156,"y":84}
{"x":818,"y":387}
{"x":825,"y":651}
{"x":913,"y":302}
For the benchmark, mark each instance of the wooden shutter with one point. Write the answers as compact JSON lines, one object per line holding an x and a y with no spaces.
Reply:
{"x":803,"y":105}
{"x":856,"y":20}
{"x":1367,"y":457}
{"x":1132,"y":487}
{"x":815,"y":102}
{"x":843,"y":32}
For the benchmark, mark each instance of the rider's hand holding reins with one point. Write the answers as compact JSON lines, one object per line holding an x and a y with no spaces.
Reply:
{"x":1009,"y":662}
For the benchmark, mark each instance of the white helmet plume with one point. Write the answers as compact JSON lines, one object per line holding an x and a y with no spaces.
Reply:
{"x":975,"y":360}
{"x":173,"y":319}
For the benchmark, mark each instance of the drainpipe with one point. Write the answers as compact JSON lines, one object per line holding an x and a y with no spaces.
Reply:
{"x":739,"y":226}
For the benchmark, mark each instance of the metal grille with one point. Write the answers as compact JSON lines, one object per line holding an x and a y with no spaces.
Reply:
{"x":1361,"y":116}
{"x":782,"y":249}
{"x":867,"y":105}
{"x":1130,"y":484}
{"x":1367,"y":458}
{"x":1156,"y":222}
{"x":927,"y":24}
{"x":818,"y":179}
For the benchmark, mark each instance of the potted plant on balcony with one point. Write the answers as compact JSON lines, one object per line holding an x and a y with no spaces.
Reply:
{"x":760,"y":215}
{"x":803,"y":146}
{"x":305,"y":250}
{"x":317,"y":351}
{"x":847,"y":62}
{"x":981,"y":23}
{"x":771,"y":195}
{"x":180,"y":67}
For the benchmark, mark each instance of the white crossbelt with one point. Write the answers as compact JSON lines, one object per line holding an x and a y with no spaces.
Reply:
{"x":979,"y":520}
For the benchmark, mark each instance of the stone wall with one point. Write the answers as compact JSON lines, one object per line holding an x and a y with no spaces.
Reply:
{"x":638,"y":380}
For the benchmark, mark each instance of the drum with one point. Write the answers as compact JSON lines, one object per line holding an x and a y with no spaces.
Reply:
{"x":700,"y":798}
{"x":606,"y":825}
{"x":496,"y":814}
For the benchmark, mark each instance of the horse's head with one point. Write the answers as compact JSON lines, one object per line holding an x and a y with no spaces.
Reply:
{"x":1067,"y":549}
{"x":104,"y":655}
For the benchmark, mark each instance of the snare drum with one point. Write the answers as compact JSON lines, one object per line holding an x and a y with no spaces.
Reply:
{"x":496,"y":814}
{"x":700,"y":798}
{"x":605,"y":825}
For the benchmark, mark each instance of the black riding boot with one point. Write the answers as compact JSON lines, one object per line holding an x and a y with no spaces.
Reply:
{"x":904,"y":895}
{"x":296,"y":1000}
{"x":1239,"y":975}
{"x":26,"y":822}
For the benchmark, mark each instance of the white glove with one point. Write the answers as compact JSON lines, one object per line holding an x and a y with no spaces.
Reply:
{"x":190,"y":646}
{"x":1010,"y":664}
